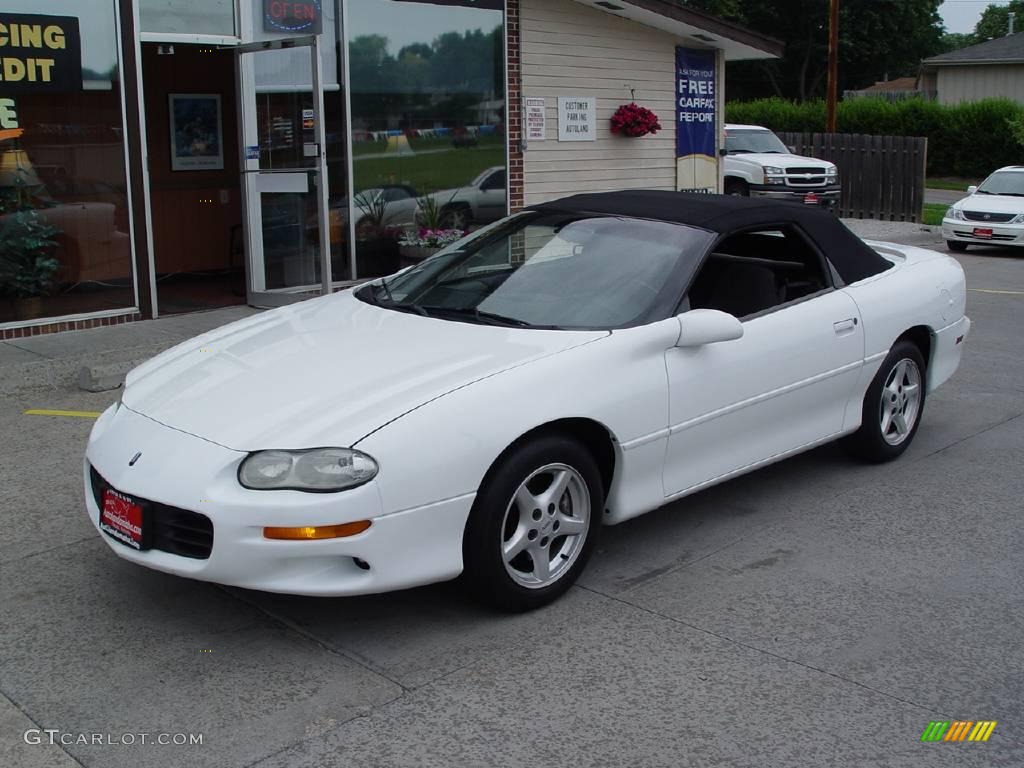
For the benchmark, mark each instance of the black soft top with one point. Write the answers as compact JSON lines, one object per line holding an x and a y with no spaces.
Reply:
{"x":727,"y":214}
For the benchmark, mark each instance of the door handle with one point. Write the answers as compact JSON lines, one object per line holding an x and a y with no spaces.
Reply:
{"x":844,"y":327}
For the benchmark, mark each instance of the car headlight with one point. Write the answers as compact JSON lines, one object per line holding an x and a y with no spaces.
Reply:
{"x":955,"y":213}
{"x":1018,"y":220}
{"x":774,"y":175}
{"x":831,"y":174}
{"x":321,"y":470}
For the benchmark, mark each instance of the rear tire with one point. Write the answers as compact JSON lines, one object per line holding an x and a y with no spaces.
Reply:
{"x":534,"y":524}
{"x":893,"y":406}
{"x":956,"y":246}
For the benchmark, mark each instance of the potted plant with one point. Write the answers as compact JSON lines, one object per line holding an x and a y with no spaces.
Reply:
{"x":27,"y":264}
{"x":417,"y":246}
{"x":377,"y":251}
{"x":634,"y":121}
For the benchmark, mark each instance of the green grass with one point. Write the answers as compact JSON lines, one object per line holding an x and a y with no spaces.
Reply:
{"x":954,"y":184}
{"x":444,"y":168}
{"x":933,"y":213}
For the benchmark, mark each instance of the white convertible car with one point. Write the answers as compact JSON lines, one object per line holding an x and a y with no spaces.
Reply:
{"x":488,"y":411}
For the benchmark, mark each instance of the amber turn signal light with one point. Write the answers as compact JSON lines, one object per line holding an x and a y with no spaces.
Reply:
{"x":315,"y":533}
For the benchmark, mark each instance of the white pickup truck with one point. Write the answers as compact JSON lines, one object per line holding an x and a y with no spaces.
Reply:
{"x":757,"y":163}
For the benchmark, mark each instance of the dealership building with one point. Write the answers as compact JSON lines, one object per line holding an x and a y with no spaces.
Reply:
{"x":167,"y":156}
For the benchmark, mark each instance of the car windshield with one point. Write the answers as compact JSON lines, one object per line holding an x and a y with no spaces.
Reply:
{"x":753,"y":141}
{"x":541,"y":270}
{"x":1003,"y":183}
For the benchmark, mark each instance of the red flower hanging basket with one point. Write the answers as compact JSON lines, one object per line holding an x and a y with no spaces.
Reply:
{"x":634,"y":121}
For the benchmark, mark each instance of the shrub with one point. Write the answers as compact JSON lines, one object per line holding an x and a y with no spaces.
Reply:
{"x":963,"y":140}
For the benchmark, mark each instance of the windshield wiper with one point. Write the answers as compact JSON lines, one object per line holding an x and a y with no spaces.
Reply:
{"x":487,"y":318}
{"x":983,"y":192}
{"x":388,"y":300}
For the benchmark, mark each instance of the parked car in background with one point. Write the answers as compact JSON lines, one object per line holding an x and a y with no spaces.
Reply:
{"x":397,"y":203}
{"x":758,"y":164}
{"x":481,"y":201}
{"x":991,"y":214}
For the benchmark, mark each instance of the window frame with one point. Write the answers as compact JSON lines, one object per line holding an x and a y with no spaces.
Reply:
{"x":827,"y":270}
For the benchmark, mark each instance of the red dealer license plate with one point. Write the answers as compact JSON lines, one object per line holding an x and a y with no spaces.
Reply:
{"x":983,"y":232}
{"x":123,"y":518}
{"x":811,"y":199}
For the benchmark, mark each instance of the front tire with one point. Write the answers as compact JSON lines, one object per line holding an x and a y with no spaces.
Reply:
{"x":893,"y":406}
{"x":737,"y":188}
{"x":956,"y":246}
{"x":534,"y":524}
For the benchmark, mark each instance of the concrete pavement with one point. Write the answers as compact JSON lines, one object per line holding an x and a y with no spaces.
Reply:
{"x":944,"y":196}
{"x":817,"y":612}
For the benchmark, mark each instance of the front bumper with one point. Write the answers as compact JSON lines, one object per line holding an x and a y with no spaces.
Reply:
{"x":403,"y":548}
{"x":964,"y":232}
{"x":827,"y":196}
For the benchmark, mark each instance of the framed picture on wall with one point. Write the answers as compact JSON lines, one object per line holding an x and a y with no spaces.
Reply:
{"x":197,"y":132}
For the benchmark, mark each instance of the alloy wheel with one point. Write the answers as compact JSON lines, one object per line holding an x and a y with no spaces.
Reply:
{"x":545,"y":526}
{"x":901,"y":401}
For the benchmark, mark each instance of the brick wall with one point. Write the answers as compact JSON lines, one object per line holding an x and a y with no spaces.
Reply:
{"x":44,"y":327}
{"x":515,"y":108}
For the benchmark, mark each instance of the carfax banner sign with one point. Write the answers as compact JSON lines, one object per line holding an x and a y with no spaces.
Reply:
{"x":39,"y":54}
{"x":696,"y":120}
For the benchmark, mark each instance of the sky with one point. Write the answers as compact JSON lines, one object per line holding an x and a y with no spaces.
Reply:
{"x":962,"y":15}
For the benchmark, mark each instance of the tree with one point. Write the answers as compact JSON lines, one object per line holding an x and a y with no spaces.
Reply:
{"x":995,"y":20}
{"x":954,"y":41}
{"x":877,"y":38}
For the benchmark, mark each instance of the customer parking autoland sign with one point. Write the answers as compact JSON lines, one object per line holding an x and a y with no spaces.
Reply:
{"x":39,"y":54}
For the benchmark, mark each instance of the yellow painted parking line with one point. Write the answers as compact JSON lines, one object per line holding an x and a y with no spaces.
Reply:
{"x":71,"y":414}
{"x":992,"y":290}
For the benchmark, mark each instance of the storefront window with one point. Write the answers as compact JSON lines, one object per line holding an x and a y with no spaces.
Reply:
{"x":194,"y":17}
{"x":64,"y":242}
{"x":428,"y":121}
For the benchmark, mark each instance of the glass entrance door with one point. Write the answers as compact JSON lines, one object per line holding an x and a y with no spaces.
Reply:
{"x":284,"y":170}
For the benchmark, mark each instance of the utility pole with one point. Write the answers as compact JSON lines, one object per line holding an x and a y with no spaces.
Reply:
{"x":833,"y":65}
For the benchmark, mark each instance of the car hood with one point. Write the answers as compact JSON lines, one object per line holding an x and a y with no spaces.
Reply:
{"x":782,"y":161}
{"x":992,"y":204}
{"x":324,"y":372}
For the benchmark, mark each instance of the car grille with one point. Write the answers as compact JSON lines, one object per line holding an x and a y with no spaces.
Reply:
{"x":177,"y":531}
{"x":995,"y":218}
{"x":816,"y":180}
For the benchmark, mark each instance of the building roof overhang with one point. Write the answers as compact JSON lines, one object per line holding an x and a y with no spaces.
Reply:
{"x":694,"y":27}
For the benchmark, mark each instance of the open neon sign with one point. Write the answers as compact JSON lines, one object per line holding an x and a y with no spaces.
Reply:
{"x":293,"y":16}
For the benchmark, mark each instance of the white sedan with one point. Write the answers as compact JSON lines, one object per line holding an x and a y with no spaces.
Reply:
{"x":488,"y":411}
{"x":991,"y":214}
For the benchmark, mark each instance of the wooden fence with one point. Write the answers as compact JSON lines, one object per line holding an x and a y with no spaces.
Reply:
{"x":882,"y":177}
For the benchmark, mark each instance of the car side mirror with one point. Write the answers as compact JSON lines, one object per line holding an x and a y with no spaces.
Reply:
{"x":972,"y":189}
{"x":707,"y":326}
{"x":722,"y":152}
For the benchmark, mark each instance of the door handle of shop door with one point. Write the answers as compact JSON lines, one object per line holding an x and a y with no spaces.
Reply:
{"x":844,"y":327}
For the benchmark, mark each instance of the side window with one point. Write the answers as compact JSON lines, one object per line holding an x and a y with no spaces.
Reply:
{"x":753,"y":272}
{"x":495,"y":181}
